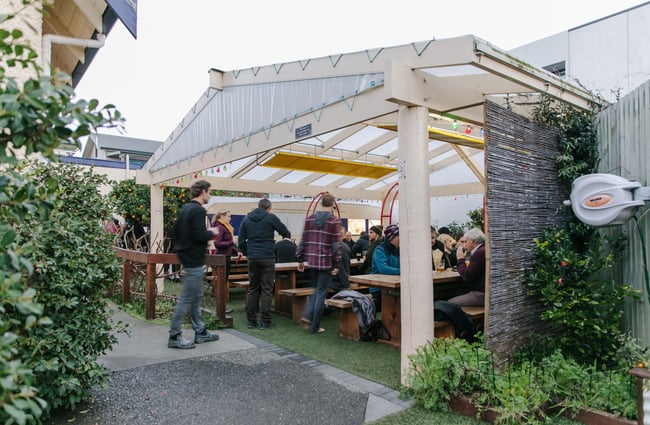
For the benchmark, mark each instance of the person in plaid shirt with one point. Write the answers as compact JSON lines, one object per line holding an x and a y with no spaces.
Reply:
{"x":320,"y":247}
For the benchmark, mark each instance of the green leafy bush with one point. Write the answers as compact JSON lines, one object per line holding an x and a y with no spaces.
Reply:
{"x":35,"y":117}
{"x":74,"y":264}
{"x":522,"y":390}
{"x":585,"y":305}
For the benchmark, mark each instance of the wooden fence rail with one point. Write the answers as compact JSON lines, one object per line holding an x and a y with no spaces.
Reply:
{"x":151,"y":260}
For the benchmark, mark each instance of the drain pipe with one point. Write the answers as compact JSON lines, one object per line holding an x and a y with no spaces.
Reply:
{"x":48,"y":39}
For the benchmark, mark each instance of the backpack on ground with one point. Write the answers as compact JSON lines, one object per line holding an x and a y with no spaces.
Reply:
{"x":377,"y":330}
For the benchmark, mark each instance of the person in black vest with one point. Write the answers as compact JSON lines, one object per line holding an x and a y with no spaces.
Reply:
{"x":375,"y":238}
{"x":362,"y":244}
{"x":285,"y":251}
{"x":341,"y":280}
{"x":190,"y":243}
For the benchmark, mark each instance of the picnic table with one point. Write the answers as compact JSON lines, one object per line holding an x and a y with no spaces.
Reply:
{"x":286,"y":277}
{"x":391,"y":308}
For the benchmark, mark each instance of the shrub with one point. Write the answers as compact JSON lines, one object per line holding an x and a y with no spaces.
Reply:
{"x":586,"y":307}
{"x":36,"y":117}
{"x":522,"y":390}
{"x":74,"y":264}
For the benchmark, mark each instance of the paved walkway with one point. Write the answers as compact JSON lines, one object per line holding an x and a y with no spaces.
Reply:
{"x":236,"y":380}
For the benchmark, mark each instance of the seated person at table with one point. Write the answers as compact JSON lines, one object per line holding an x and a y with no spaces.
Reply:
{"x":473,"y":270}
{"x":376,"y":238}
{"x":449,"y":254}
{"x":348,"y":239}
{"x":435,"y":243}
{"x":385,"y":259}
{"x":361,"y":245}
{"x":285,"y":251}
{"x":341,"y":280}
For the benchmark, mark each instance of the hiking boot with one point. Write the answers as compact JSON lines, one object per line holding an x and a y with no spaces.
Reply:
{"x":267,"y":325}
{"x":205,"y":336}
{"x":251,"y":324}
{"x":178,"y":341}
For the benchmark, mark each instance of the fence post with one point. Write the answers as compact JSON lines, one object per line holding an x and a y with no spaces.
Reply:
{"x":642,"y":395}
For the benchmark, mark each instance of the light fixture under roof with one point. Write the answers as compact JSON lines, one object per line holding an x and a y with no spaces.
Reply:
{"x":292,"y":161}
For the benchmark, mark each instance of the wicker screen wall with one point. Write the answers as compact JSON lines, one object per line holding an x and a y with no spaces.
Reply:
{"x":523,"y":198}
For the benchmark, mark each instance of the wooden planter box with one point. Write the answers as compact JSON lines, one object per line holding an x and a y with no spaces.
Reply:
{"x":587,"y":416}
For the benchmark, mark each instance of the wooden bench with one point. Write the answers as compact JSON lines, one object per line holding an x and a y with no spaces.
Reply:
{"x":299,"y":298}
{"x":445,"y":329}
{"x":348,"y":323}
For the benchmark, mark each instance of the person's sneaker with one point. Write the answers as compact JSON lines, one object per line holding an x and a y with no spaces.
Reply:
{"x":267,"y":325}
{"x":205,"y":336}
{"x":179,"y":342}
{"x":251,"y":324}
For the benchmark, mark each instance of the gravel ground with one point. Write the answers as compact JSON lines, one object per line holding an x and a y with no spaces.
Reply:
{"x":245,"y":387}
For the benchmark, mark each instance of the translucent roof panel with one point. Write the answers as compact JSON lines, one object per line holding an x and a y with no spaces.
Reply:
{"x":385,"y":149}
{"x":294,"y":177}
{"x":361,"y":138}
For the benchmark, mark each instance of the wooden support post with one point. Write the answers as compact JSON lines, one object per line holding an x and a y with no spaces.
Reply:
{"x":126,"y":281}
{"x":150,"y":292}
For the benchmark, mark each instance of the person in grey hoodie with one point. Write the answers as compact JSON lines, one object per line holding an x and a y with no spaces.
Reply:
{"x":257,"y":243}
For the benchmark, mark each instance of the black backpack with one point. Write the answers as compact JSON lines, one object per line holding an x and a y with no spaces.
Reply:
{"x":374,"y":332}
{"x":451,"y":312}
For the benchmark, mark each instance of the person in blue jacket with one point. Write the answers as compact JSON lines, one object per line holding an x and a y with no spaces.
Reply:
{"x":385,"y":259}
{"x":257,"y":243}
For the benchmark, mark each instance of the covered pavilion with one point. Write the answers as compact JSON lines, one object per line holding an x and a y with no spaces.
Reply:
{"x":354,"y":125}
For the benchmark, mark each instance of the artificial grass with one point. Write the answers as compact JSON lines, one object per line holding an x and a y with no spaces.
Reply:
{"x":376,"y":362}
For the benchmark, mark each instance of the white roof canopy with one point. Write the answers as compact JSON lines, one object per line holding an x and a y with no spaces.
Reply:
{"x":344,"y":107}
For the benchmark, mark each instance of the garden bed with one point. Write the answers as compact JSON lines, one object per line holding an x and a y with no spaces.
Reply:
{"x":466,"y":407}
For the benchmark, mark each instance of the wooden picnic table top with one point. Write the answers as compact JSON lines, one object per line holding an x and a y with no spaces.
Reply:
{"x":393,"y":281}
{"x":293,"y":265}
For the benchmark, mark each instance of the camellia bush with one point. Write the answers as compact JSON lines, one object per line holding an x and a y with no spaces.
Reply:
{"x":36,"y":116}
{"x":74,"y":265}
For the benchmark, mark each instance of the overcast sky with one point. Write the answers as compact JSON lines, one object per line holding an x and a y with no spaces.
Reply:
{"x":155,"y":80}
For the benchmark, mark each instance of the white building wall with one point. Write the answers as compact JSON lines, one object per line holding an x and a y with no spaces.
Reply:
{"x":608,"y":57}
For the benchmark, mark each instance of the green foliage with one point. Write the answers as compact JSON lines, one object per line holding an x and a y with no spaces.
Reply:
{"x":74,"y":264}
{"x":35,"y":117}
{"x":578,"y":143}
{"x":586,"y":306}
{"x":526,"y":390}
{"x":133,"y":202}
{"x":572,"y":269}
{"x":475,"y":219}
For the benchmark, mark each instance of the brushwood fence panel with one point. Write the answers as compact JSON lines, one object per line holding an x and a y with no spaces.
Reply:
{"x":523,"y":198}
{"x":624,"y":137}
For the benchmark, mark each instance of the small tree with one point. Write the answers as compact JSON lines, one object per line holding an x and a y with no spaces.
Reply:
{"x":133,"y":202}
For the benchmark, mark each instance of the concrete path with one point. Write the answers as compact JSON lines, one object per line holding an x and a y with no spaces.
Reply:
{"x":236,"y":380}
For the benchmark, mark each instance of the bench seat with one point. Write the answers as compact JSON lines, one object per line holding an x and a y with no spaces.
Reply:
{"x":348,"y":323}
{"x":299,"y":298}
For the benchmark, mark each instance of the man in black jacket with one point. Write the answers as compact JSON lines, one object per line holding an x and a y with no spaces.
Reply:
{"x":256,"y":241}
{"x":190,"y":243}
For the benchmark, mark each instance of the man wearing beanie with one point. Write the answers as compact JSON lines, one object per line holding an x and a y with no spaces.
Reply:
{"x":376,"y":237}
